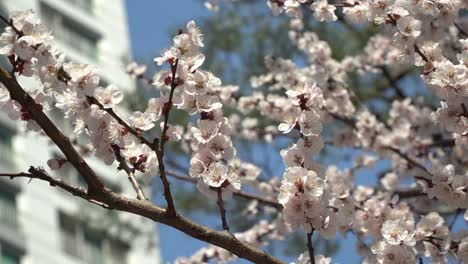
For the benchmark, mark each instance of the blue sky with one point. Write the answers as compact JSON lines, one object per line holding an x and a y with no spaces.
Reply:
{"x":150,"y":22}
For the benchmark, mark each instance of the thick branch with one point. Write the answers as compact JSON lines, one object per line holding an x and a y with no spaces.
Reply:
{"x":18,"y":94}
{"x":111,"y":200}
{"x":218,"y":238}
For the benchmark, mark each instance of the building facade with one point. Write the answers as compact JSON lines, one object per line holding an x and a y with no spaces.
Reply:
{"x":40,"y":224}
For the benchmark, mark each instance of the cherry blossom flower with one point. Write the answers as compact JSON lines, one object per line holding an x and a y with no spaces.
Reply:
{"x":109,"y":97}
{"x":143,"y":121}
{"x":323,"y":11}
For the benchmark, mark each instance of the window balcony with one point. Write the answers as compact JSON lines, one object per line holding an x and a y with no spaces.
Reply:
{"x":8,"y":216}
{"x":85,"y":5}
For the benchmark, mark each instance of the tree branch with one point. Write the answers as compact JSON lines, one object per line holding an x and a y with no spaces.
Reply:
{"x":18,"y":94}
{"x":41,"y":174}
{"x":462,"y":32}
{"x":393,"y":82}
{"x":162,"y":169}
{"x":110,"y":200}
{"x":241,"y":194}
{"x":310,"y":246}
{"x":222,"y":211}
{"x":218,"y":238}
{"x":409,"y":160}
{"x":152,"y":145}
{"x":130,"y":172}
{"x":411,"y":193}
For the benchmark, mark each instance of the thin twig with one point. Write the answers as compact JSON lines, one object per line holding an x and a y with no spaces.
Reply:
{"x":153,"y":146}
{"x":398,"y":90}
{"x":121,"y":122}
{"x":222,"y":211}
{"x":419,"y":51}
{"x":455,"y":217}
{"x":41,"y":174}
{"x":162,"y":169}
{"x":10,"y":24}
{"x":409,"y":160}
{"x":310,"y":246}
{"x":411,"y":193}
{"x":130,"y":173}
{"x":350,"y":122}
{"x":463,"y":32}
{"x":241,"y":194}
{"x":174,"y":85}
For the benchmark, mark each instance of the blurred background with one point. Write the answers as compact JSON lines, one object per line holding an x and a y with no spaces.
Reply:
{"x":43,"y":225}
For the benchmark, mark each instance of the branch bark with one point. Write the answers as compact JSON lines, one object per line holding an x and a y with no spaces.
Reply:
{"x":147,"y":209}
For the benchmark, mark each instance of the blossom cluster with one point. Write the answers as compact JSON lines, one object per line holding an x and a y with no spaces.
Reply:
{"x":209,"y":136}
{"x":75,"y":90}
{"x":395,"y":221}
{"x":71,"y":87}
{"x":418,"y":33}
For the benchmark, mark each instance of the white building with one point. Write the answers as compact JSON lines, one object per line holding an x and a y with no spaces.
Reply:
{"x":40,"y":224}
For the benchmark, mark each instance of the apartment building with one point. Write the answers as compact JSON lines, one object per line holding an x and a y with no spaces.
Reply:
{"x":40,"y":224}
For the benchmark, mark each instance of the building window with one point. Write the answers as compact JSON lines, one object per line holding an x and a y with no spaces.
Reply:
{"x":85,"y":5}
{"x":9,"y":257}
{"x":70,"y":32}
{"x":6,"y":136}
{"x":90,"y":245}
{"x":93,"y":250}
{"x":8,"y":215}
{"x":117,"y":252}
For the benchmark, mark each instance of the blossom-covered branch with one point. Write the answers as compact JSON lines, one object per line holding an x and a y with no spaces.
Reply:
{"x":397,"y":220}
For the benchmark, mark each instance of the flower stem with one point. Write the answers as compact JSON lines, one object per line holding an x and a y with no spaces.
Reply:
{"x":310,"y":246}
{"x":222,"y":211}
